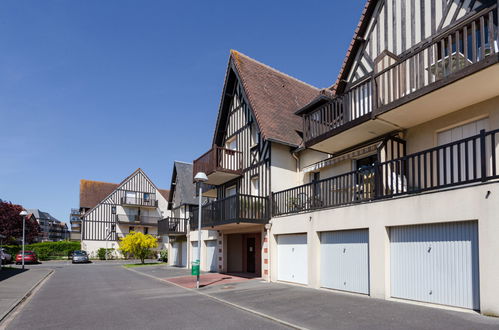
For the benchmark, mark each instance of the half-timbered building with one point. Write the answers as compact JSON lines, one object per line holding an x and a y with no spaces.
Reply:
{"x":175,"y":228}
{"x":396,"y":193}
{"x":255,"y":127}
{"x":110,"y":211}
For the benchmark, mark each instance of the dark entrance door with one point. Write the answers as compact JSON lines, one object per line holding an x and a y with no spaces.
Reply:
{"x":250,"y":251}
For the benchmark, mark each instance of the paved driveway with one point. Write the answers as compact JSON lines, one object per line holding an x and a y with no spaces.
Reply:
{"x":108,"y":296}
{"x":111,"y":297}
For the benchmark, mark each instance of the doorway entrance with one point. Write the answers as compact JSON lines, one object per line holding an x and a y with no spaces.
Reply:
{"x":244,"y":254}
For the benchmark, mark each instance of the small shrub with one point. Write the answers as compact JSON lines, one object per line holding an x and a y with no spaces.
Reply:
{"x":163,"y":255}
{"x":102,"y":253}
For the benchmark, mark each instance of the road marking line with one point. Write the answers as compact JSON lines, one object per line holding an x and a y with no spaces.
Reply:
{"x":246,"y":309}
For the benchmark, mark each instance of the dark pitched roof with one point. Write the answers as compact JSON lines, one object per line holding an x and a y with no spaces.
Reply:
{"x":274,"y":98}
{"x":182,"y":186}
{"x":41,"y":215}
{"x":354,"y":45}
{"x":93,"y":192}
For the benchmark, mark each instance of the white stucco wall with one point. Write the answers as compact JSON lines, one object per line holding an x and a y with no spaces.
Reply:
{"x":446,"y":206}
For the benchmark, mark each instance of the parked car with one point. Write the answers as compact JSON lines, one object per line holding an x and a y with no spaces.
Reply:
{"x":5,"y":257}
{"x":30,"y":257}
{"x":79,"y":256}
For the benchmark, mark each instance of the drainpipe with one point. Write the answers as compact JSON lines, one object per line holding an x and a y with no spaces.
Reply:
{"x":297,"y":159}
{"x":269,"y":265}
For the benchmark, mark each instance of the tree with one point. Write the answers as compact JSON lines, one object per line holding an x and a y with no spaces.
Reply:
{"x":11,"y":223}
{"x":138,"y":244}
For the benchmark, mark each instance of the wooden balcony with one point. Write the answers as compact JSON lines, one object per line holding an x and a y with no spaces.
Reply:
{"x":460,"y":163}
{"x":139,"y":202}
{"x":448,"y":72}
{"x":172,"y":226}
{"x":137,"y":220}
{"x":220,"y":165}
{"x":237,"y":209}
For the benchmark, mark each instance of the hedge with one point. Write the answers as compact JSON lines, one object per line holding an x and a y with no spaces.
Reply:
{"x":45,"y":250}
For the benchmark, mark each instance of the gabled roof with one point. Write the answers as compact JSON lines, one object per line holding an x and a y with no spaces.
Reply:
{"x":274,"y":98}
{"x":94,"y":192}
{"x":355,"y":44}
{"x":182,"y":186}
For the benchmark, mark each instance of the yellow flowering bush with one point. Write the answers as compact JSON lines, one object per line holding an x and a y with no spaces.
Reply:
{"x":138,"y":244}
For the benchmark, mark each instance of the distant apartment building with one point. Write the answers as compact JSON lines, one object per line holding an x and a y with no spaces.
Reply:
{"x":110,"y":211}
{"x":51,"y":229}
{"x":75,"y":222}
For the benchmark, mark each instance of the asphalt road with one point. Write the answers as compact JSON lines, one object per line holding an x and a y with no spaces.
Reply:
{"x":107,"y":296}
{"x":97,"y":296}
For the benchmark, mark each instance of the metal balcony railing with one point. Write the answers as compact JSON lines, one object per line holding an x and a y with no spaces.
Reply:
{"x":462,"y":50}
{"x":463,"y":162}
{"x":139,"y":201}
{"x":171,"y":226}
{"x":233,"y":209}
{"x":219,"y":159}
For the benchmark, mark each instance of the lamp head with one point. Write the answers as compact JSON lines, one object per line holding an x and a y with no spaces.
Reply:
{"x":200,"y":177}
{"x":23,"y":213}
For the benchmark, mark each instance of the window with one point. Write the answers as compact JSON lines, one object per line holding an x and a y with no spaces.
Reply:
{"x":131,"y":228}
{"x":113,"y":209}
{"x":254,"y":134}
{"x":147,"y":196}
{"x":255,"y":185}
{"x":230,"y":191}
{"x":146,"y":230}
{"x":113,"y":228}
{"x":231,"y":144}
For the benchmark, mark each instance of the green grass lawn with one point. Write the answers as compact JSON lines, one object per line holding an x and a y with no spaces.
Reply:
{"x":145,"y":264}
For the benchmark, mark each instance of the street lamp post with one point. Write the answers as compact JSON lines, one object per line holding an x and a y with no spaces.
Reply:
{"x":200,"y":178}
{"x":23,"y":214}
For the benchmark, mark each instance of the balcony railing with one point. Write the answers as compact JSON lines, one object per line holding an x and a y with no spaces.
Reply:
{"x":462,"y":50}
{"x":134,"y":201}
{"x":137,"y":219}
{"x":233,"y":209}
{"x":172,"y":226}
{"x":219,"y":159}
{"x":463,"y":162}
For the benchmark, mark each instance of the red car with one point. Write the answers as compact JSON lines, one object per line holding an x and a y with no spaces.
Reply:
{"x":29,"y":258}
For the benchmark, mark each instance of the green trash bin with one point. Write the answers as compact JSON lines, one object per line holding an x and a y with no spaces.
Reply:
{"x":195,"y":268}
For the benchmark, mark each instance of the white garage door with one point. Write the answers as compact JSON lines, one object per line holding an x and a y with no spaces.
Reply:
{"x":345,"y":260}
{"x":436,"y":263}
{"x":176,"y":254}
{"x":211,"y":255}
{"x":184,"y":254}
{"x":292,"y":263}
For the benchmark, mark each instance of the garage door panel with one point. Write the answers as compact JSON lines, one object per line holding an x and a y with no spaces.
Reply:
{"x":175,"y":254}
{"x":292,"y":258}
{"x":183,"y":254}
{"x":436,"y":263}
{"x":345,"y":260}
{"x":211,"y":255}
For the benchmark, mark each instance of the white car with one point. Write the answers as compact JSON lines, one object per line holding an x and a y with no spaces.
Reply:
{"x":6,"y":258}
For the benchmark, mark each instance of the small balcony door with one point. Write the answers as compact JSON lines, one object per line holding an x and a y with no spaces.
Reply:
{"x":460,"y":162}
{"x":229,"y":158}
{"x":130,"y":197}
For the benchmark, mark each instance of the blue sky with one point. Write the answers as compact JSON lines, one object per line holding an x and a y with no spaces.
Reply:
{"x":95,"y":89}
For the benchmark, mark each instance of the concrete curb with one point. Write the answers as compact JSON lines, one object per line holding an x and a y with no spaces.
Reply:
{"x":24,"y":297}
{"x":246,"y":309}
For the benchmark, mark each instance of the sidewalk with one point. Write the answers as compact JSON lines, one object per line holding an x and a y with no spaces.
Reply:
{"x":323,"y":309}
{"x":16,"y":285}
